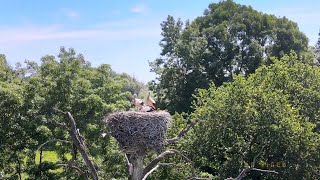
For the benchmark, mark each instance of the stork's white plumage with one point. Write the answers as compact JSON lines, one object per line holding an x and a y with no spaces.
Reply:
{"x":151,"y":102}
{"x":145,"y":108}
{"x":137,"y":102}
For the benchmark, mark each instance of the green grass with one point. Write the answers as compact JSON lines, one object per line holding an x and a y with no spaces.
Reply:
{"x":48,"y":156}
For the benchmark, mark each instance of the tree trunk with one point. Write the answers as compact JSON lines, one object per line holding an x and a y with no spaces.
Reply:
{"x":81,"y":146}
{"x":137,"y":163}
{"x":40,"y":162}
{"x":19,"y":169}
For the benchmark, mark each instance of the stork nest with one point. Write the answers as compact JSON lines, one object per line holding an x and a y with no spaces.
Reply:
{"x":138,"y":132}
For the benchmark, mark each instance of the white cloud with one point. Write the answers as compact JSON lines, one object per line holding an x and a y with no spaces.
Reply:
{"x":69,"y":13}
{"x":16,"y":35}
{"x":139,"y":8}
{"x":72,"y":14}
{"x":131,"y":22}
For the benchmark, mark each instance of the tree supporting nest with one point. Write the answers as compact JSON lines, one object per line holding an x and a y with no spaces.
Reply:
{"x":138,"y":133}
{"x":133,"y":125}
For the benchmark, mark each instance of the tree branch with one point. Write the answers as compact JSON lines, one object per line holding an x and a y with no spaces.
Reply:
{"x":70,"y":165}
{"x":60,"y":111}
{"x":130,"y":167}
{"x":153,"y":165}
{"x":155,"y":168}
{"x":255,"y":158}
{"x":52,"y":140}
{"x":245,"y":171}
{"x":199,"y":178}
{"x":182,"y":133}
{"x":62,"y":125}
{"x":154,"y":162}
{"x":78,"y":141}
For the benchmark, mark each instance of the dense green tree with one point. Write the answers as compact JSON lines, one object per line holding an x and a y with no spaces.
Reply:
{"x":6,"y":72}
{"x":29,"y":96}
{"x":228,"y":39}
{"x":16,"y":138}
{"x":275,"y":111}
{"x":71,"y":84}
{"x":317,"y":51}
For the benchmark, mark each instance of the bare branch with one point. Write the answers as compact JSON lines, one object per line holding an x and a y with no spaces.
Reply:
{"x":155,"y":168}
{"x":255,"y":158}
{"x":52,"y":140}
{"x":78,"y":142}
{"x":166,"y":164}
{"x":182,"y":133}
{"x":153,"y":165}
{"x":245,"y":171}
{"x":188,"y":160}
{"x":199,"y":178}
{"x":154,"y":162}
{"x":264,"y":170}
{"x":60,"y":111}
{"x":71,"y":166}
{"x":62,"y":125}
{"x":130,"y":167}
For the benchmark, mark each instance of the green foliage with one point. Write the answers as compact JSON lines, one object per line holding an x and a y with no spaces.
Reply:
{"x":250,"y":96}
{"x":317,"y":51}
{"x":276,"y":109}
{"x":29,"y":96}
{"x":229,"y":39}
{"x":6,"y":73}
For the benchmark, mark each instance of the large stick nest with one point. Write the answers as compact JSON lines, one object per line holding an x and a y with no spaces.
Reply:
{"x":138,"y":132}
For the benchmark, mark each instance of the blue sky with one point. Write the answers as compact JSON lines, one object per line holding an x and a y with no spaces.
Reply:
{"x":122,"y":33}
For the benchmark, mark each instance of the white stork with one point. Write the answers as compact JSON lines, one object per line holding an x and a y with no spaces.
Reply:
{"x":145,"y":108}
{"x":137,"y":102}
{"x":151,"y":102}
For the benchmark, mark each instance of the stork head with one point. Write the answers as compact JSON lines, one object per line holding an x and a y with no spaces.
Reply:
{"x":134,"y":96}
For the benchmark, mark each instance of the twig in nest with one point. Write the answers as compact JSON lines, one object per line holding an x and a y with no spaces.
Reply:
{"x":139,"y":132}
{"x":182,"y":133}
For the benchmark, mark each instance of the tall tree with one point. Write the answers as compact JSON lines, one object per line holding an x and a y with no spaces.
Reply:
{"x":28,"y":96}
{"x":15,"y":137}
{"x":275,"y":111}
{"x":317,"y":50}
{"x":229,"y":39}
{"x":69,"y":83}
